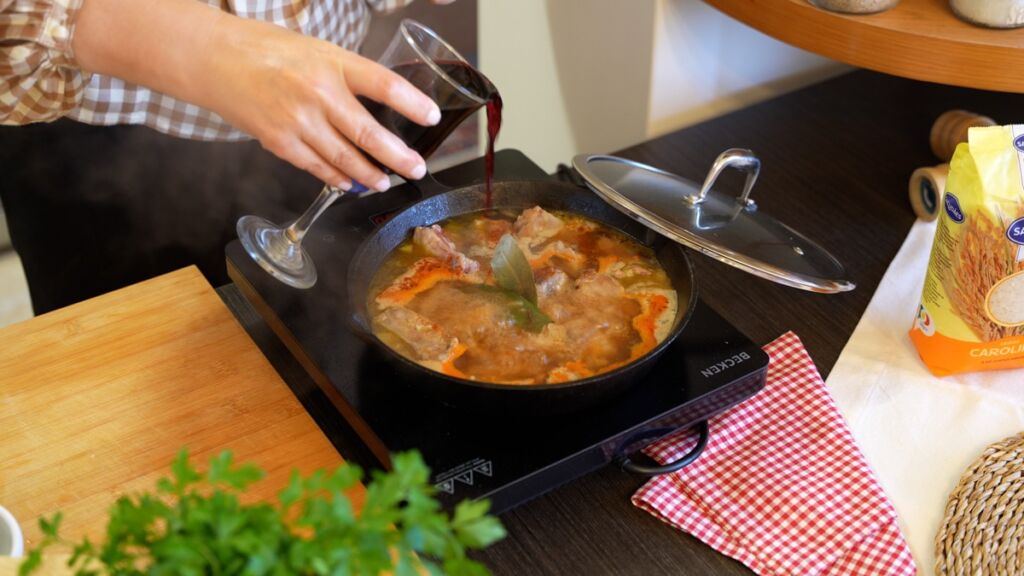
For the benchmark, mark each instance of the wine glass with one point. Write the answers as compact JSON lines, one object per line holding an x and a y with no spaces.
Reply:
{"x":421,"y":56}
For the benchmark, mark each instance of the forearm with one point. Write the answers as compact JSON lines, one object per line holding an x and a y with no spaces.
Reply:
{"x":165,"y":45}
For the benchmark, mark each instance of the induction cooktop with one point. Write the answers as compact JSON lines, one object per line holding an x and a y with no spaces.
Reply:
{"x":508,"y":458}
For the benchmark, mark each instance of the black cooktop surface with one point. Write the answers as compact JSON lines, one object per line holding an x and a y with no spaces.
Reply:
{"x":508,"y":458}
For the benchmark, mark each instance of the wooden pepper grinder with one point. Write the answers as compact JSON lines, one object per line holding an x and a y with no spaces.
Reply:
{"x":928,"y":183}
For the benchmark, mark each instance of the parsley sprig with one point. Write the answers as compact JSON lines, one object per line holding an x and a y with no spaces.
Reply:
{"x":195,"y":524}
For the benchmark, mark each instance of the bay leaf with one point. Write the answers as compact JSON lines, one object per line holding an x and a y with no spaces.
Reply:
{"x":512,"y":270}
{"x":527,"y":316}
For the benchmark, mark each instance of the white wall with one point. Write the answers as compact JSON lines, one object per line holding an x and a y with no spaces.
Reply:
{"x":707,"y":64}
{"x":517,"y":55}
{"x":603,"y":57}
{"x":600,"y":75}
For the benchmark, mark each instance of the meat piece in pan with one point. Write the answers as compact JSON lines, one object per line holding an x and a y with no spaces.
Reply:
{"x":435,"y":243}
{"x":427,"y":340}
{"x":551,"y":282}
{"x":536,"y":226}
{"x":596,"y":286}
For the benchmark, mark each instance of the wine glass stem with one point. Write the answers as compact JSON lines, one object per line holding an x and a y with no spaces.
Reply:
{"x":297,"y":229}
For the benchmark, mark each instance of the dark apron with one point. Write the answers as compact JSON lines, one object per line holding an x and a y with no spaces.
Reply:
{"x":92,"y":209}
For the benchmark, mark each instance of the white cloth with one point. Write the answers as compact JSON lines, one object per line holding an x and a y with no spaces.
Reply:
{"x":919,"y":432}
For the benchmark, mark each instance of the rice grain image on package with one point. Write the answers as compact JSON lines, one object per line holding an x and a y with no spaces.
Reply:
{"x":971,"y":313}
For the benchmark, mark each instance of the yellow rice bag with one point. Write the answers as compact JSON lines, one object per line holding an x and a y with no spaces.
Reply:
{"x":971,"y":315}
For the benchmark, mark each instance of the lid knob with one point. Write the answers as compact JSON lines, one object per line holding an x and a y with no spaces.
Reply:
{"x":739,"y":158}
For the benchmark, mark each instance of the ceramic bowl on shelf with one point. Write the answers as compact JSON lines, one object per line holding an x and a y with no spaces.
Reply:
{"x":855,"y":6}
{"x":990,"y":13}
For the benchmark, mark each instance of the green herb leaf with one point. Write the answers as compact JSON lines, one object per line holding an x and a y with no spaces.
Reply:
{"x":32,"y":562}
{"x":512,"y":270}
{"x":165,"y":485}
{"x":184,"y":474}
{"x":526,"y":315}
{"x":83,"y":549}
{"x":223,"y":471}
{"x":291,"y":494}
{"x":50,"y":527}
{"x":196,"y":524}
{"x":472,"y":525}
{"x":345,"y":477}
{"x":481,"y":532}
{"x":410,"y":469}
{"x":406,"y":566}
{"x":464,"y":567}
{"x":469,"y":510}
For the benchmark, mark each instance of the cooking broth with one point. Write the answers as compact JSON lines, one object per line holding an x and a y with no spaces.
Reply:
{"x":583,"y":299}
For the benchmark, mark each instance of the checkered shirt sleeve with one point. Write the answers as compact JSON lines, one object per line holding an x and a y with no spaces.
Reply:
{"x":38,"y":78}
{"x":40,"y":82}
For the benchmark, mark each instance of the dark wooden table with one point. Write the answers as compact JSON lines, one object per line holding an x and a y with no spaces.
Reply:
{"x":836,"y":159}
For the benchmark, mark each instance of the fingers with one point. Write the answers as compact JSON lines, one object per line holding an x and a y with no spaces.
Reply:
{"x":368,"y":78}
{"x":312,"y":118}
{"x":343,"y":156}
{"x":361,"y":129}
{"x":304,"y":157}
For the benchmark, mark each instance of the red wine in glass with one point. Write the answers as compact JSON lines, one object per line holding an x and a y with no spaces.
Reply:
{"x":454,"y":104}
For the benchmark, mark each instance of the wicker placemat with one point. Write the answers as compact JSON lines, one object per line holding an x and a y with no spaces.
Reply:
{"x":983,"y":532}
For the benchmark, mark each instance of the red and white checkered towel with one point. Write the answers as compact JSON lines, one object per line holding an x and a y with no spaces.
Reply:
{"x":781,"y":486}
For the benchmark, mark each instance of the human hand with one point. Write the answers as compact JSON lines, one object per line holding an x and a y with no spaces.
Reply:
{"x":297,"y":96}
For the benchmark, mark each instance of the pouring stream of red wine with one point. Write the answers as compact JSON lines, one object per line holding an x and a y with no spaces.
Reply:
{"x":493,"y":127}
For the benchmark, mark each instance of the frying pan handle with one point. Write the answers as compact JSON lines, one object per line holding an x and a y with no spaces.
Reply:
{"x":569,"y":174}
{"x":429,"y":186}
{"x":686,"y":460}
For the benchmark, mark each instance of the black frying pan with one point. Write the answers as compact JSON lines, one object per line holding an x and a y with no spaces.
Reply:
{"x":552,"y":195}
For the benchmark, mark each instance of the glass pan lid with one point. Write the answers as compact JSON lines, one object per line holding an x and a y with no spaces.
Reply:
{"x":728,"y":228}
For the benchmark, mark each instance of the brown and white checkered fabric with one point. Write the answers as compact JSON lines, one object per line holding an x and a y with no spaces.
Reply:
{"x":40,"y":82}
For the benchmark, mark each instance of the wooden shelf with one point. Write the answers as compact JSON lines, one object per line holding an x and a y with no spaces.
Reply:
{"x":919,"y":39}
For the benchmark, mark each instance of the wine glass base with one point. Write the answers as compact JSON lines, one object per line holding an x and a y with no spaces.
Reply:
{"x":271,"y":248}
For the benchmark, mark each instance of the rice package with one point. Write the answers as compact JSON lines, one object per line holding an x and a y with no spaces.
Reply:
{"x":971,"y":315}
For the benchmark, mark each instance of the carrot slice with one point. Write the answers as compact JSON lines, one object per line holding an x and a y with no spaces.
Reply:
{"x":424,"y":274}
{"x":550,"y":252}
{"x":448,"y":364}
{"x":572,"y":370}
{"x":652,"y":306}
{"x":605,"y":262}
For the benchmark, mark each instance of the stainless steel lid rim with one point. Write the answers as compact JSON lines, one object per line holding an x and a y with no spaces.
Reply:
{"x":730,"y":230}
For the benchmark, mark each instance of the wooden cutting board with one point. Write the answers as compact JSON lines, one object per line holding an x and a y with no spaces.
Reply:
{"x":97,"y":398}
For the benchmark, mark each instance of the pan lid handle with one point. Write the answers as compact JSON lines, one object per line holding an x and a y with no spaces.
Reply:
{"x":739,"y":158}
{"x":730,"y":229}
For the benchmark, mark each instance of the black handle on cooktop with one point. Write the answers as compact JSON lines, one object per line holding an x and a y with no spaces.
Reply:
{"x":567,"y":173}
{"x":429,"y":186}
{"x":691,"y":456}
